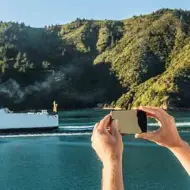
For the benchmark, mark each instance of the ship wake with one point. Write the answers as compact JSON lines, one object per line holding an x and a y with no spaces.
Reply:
{"x":85,"y":130}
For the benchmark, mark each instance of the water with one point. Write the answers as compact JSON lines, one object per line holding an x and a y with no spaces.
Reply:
{"x":64,"y":160}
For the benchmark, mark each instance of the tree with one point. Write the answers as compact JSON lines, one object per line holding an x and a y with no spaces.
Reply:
{"x":112,"y":41}
{"x":2,"y":66}
{"x":45,"y":64}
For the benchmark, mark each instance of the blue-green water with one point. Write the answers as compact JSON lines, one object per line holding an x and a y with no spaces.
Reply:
{"x":66,"y":161}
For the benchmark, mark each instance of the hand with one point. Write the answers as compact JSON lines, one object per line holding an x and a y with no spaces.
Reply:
{"x":167,"y":135}
{"x":107,"y":141}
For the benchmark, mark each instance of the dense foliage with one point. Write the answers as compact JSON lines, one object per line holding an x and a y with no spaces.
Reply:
{"x":142,"y":60}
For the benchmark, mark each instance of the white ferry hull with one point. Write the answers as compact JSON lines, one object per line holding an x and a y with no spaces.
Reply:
{"x":27,"y":121}
{"x":28,"y":130}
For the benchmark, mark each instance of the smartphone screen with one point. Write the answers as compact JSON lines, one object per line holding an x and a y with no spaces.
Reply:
{"x":130,"y":121}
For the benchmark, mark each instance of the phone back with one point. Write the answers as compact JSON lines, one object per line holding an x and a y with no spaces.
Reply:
{"x":130,"y":121}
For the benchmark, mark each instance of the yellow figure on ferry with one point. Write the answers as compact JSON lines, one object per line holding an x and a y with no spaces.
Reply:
{"x":55,"y":107}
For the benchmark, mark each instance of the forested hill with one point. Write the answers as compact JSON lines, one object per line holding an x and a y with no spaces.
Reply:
{"x":142,"y":60}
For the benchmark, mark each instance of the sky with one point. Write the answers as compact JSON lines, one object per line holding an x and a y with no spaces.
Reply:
{"x":38,"y":13}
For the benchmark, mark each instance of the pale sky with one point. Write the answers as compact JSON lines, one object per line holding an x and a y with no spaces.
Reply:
{"x":38,"y":13}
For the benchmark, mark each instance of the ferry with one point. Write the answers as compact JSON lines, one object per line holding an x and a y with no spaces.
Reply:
{"x":29,"y":121}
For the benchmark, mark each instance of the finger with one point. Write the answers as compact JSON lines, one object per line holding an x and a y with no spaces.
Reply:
{"x":153,"y":108}
{"x":152,"y":111}
{"x":114,"y":128}
{"x":95,"y":126}
{"x":150,"y":115}
{"x":147,"y":136}
{"x":104,"y":123}
{"x":164,"y":116}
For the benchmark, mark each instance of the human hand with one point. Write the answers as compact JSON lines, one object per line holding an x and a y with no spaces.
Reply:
{"x":107,"y":141}
{"x":167,"y":135}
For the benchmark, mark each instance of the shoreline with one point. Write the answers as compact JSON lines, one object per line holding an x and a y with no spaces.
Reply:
{"x":168,"y":109}
{"x":110,"y":108}
{"x":99,"y":108}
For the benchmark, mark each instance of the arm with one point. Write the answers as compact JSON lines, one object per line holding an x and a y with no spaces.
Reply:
{"x":107,"y":142}
{"x":183,"y":154}
{"x":167,"y":135}
{"x":112,"y":176}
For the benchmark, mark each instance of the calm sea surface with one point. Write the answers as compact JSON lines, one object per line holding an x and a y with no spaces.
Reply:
{"x":64,"y":159}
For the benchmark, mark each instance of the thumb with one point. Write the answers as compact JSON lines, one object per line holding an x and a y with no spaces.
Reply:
{"x":114,"y":128}
{"x":147,"y":136}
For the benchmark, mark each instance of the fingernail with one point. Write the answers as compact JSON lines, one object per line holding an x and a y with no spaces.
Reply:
{"x":136,"y":136}
{"x":107,"y":116}
{"x":115,"y":122}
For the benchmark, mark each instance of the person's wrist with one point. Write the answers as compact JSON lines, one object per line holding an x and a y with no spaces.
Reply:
{"x":179,"y":145}
{"x":110,"y":163}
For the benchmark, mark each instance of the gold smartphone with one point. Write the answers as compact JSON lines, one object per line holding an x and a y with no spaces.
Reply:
{"x":130,"y":121}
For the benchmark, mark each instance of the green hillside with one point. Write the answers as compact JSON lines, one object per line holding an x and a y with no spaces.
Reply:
{"x":143,"y":60}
